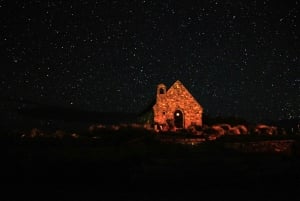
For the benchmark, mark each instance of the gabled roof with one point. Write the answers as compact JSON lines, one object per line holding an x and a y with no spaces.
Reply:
{"x":153,"y":102}
{"x":180,"y":85}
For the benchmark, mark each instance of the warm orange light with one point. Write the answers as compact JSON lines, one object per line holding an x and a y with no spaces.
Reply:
{"x":176,"y":102}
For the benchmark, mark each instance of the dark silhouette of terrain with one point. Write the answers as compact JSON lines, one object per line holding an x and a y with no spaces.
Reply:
{"x":74,"y":114}
{"x":33,"y":114}
{"x":86,"y":169}
{"x":132,"y":164}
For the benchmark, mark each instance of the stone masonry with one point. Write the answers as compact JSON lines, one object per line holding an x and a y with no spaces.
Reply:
{"x":176,"y":107}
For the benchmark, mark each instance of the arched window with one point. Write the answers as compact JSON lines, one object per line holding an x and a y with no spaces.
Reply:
{"x":161,"y":89}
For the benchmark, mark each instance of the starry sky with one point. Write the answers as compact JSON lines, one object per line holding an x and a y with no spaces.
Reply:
{"x":237,"y":58}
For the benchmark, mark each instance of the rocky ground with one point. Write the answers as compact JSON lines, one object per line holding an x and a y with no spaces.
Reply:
{"x":145,"y":169}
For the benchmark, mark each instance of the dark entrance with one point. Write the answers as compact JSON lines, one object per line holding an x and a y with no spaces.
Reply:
{"x":178,"y":119}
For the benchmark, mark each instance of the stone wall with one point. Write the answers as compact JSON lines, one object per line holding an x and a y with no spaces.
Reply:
{"x":177,"y":98}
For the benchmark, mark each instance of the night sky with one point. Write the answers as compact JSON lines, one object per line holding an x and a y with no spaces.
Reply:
{"x":237,"y":58}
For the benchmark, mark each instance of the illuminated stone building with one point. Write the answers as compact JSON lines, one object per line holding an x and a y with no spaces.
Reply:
{"x":176,"y":108}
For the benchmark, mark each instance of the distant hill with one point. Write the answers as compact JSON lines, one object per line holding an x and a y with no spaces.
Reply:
{"x":32,"y":114}
{"x":232,"y":120}
{"x":290,"y":125}
{"x":74,"y":114}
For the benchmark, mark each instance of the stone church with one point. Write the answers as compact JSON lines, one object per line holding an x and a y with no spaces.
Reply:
{"x":176,"y":108}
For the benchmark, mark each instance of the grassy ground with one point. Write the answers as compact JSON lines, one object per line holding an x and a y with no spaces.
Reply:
{"x":133,"y":162}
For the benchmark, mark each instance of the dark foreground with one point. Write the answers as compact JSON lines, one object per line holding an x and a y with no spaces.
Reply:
{"x":144,"y":169}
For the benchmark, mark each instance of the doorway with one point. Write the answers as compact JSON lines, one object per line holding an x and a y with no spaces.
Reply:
{"x":178,"y":119}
